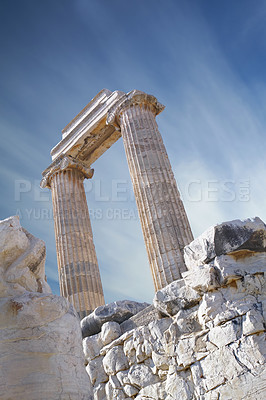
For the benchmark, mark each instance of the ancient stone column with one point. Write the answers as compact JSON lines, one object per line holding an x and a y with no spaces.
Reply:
{"x":163,"y":218}
{"x":79,"y":274}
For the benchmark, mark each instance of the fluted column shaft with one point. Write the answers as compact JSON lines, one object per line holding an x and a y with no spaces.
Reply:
{"x":163,"y":218}
{"x":79,"y":275}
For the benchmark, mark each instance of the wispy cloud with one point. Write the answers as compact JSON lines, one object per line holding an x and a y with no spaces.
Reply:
{"x":213,"y":126}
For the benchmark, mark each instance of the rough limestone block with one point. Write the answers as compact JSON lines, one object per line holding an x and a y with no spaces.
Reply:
{"x":130,"y":390}
{"x":174,"y":297}
{"x":115,"y":361}
{"x":212,"y":348}
{"x":143,"y":351}
{"x":130,"y":350}
{"x":161,"y":361}
{"x":179,"y":386}
{"x":144,"y":317}
{"x":13,"y":241}
{"x":114,"y":390}
{"x":186,"y":321}
{"x":191,"y":348}
{"x":141,"y":375}
{"x":224,"y":305}
{"x":123,"y":378}
{"x":253,"y":322}
{"x":226,"y":238}
{"x":22,"y":260}
{"x":117,"y":311}
{"x":236,"y":265}
{"x":110,"y":331}
{"x":40,"y":337}
{"x":250,"y":351}
{"x":219,"y":367}
{"x":242,"y":387}
{"x":158,"y":328}
{"x":226,"y":333}
{"x":99,"y":392}
{"x":41,"y":352}
{"x":204,"y":278}
{"x":154,"y":392}
{"x":96,"y":371}
{"x":92,"y":346}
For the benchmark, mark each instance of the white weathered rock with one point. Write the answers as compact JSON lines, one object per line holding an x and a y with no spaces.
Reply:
{"x":191,"y":348}
{"x":138,"y":348}
{"x":225,"y":238}
{"x":117,"y":311}
{"x":13,"y":241}
{"x":40,"y":337}
{"x":211,"y":347}
{"x":130,"y":351}
{"x":221,"y":306}
{"x":226,"y":333}
{"x":219,"y":367}
{"x":203,"y":278}
{"x":242,"y":387}
{"x":110,"y":331}
{"x":186,"y":321}
{"x":174,"y":297}
{"x":117,"y":342}
{"x":143,"y":351}
{"x":158,"y":328}
{"x":130,"y":390}
{"x":114,"y":390}
{"x":92,"y":346}
{"x":22,"y":260}
{"x":253,"y":322}
{"x":154,"y":392}
{"x":115,"y":361}
{"x":96,"y":371}
{"x":141,"y":375}
{"x":161,"y":361}
{"x":178,"y":386}
{"x":236,"y":265}
{"x":99,"y":392}
{"x":250,"y":352}
{"x":40,"y":340}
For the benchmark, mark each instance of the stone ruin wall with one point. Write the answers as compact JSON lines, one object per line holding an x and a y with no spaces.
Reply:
{"x":206,"y":340}
{"x":203,"y":338}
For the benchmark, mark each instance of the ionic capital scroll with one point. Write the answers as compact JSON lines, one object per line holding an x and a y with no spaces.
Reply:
{"x":64,"y":163}
{"x":135,"y":97}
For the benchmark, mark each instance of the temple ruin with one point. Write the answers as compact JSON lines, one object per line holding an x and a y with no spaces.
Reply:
{"x":164,"y":222}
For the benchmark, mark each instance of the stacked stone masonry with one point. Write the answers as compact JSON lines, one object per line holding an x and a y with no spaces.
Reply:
{"x":209,"y":343}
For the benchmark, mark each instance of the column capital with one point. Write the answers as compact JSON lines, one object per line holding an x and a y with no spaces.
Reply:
{"x":64,"y":163}
{"x":135,"y":97}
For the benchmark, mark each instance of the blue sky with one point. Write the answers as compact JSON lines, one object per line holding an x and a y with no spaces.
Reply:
{"x":204,"y":59}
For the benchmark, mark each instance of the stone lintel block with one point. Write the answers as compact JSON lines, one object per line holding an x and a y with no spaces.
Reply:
{"x":87,"y":136}
{"x":174,"y":297}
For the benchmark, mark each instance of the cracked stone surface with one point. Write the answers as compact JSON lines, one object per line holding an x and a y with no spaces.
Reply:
{"x":40,"y":337}
{"x":206,"y":342}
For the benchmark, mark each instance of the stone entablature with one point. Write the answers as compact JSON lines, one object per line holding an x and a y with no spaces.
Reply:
{"x":87,"y":136}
